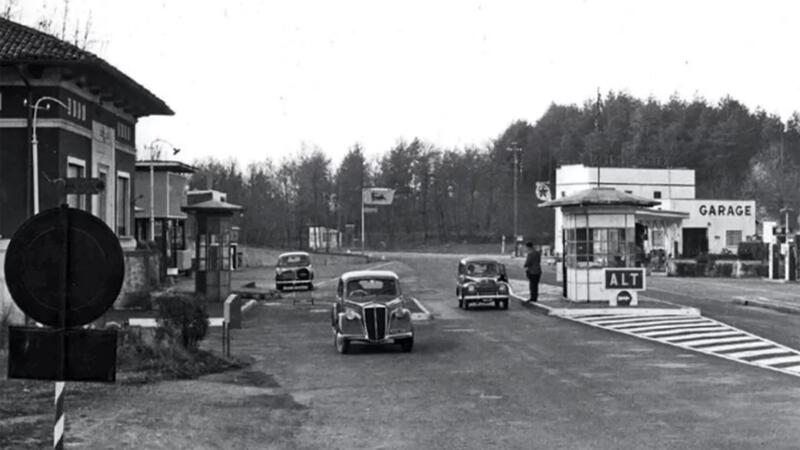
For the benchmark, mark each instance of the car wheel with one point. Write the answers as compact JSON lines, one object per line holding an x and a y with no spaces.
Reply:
{"x":406,"y":344}
{"x":279,"y":288}
{"x":342,"y":344}
{"x":460,"y":302}
{"x":466,"y":304}
{"x":505,"y":304}
{"x":498,"y":304}
{"x":310,"y":286}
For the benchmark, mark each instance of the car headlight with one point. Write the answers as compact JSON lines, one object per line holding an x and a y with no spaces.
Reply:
{"x":395,"y":302}
{"x":401,"y":313}
{"x":351,"y":314}
{"x":471,"y":288}
{"x":503,"y":289}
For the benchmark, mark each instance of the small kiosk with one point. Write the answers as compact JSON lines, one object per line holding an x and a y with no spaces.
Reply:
{"x":599,"y":242}
{"x":213,"y":259}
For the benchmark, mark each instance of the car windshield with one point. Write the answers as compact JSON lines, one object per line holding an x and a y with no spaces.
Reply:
{"x":483,"y":269}
{"x":293,"y":261}
{"x":362,"y":289}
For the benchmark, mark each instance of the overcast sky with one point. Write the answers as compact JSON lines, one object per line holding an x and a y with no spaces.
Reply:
{"x":256,"y":79}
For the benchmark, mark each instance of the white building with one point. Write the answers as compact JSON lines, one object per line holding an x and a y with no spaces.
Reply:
{"x":681,"y":225}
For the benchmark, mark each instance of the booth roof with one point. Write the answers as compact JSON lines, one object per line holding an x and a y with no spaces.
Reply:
{"x":600,"y":196}
{"x":212,"y":206}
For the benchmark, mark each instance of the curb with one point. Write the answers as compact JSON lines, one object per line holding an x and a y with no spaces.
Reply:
{"x":766,"y":304}
{"x":424,"y":315}
{"x":566,"y":312}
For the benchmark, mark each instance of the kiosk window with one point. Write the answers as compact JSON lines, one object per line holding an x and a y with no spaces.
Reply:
{"x":599,"y":247}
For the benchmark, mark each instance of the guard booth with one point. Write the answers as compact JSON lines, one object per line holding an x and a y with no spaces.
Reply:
{"x":213,"y":259}
{"x":600,"y":254}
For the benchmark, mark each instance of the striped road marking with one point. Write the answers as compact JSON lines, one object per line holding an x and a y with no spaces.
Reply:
{"x":700,"y":334}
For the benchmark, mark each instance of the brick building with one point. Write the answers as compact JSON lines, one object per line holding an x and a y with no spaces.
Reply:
{"x":91,"y":135}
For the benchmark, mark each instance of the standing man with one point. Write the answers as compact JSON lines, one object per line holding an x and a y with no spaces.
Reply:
{"x":533,"y":269}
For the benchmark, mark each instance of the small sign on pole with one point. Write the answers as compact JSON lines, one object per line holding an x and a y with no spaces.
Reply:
{"x":84,"y":185}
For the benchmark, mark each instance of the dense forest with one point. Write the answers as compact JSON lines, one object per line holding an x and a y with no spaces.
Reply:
{"x":466,"y":194}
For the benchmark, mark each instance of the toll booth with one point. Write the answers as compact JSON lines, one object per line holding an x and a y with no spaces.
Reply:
{"x":600,"y":254}
{"x":213,"y":260}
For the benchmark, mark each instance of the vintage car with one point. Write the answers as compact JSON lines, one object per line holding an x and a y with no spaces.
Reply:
{"x":482,"y":280}
{"x":371,"y":308}
{"x":294,"y":270}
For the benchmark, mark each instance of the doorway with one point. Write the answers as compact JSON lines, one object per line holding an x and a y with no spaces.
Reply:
{"x":695,"y":242}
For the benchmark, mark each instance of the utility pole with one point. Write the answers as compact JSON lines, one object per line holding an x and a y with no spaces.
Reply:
{"x":516,"y":150}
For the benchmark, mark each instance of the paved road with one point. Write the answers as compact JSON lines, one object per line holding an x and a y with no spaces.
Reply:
{"x":513,"y":379}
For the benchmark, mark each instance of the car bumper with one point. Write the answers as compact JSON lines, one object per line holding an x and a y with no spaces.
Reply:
{"x":292,"y":282}
{"x":386,"y":340}
{"x":487,"y":298}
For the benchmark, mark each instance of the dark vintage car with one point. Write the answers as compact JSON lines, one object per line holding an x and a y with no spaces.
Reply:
{"x":294,"y":270}
{"x":482,"y":280}
{"x":371,"y":308}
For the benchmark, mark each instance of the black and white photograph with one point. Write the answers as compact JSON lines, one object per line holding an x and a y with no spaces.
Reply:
{"x":440,"y":224}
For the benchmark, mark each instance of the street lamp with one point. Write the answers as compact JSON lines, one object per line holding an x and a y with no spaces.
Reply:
{"x":153,"y":155}
{"x":516,"y":150}
{"x":35,"y":144}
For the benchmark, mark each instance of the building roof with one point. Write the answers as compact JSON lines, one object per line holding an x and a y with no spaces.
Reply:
{"x":212,"y":206}
{"x":164,"y":166}
{"x":601,"y":196}
{"x":293,"y":254}
{"x":20,"y":44}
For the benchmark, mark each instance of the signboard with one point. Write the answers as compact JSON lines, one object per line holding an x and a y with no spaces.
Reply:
{"x":64,"y":267}
{"x":368,"y":210}
{"x":84,"y":185}
{"x":543,"y":191}
{"x":627,"y":278}
{"x":624,"y":298}
{"x":378,"y":196}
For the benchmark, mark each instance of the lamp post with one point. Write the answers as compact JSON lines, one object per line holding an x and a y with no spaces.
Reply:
{"x":516,"y":150}
{"x":153,"y":156}
{"x":35,"y":144}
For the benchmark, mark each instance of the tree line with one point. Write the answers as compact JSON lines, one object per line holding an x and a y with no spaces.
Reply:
{"x":448,"y":195}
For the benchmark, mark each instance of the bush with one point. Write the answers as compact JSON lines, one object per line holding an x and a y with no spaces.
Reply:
{"x":182,"y":319}
{"x":140,"y":353}
{"x":722,"y":268}
{"x":753,"y":251}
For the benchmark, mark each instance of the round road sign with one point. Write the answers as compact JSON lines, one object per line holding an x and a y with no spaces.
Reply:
{"x":64,"y":267}
{"x":624,"y":298}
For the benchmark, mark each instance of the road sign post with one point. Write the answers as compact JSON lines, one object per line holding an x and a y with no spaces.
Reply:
{"x":64,"y":268}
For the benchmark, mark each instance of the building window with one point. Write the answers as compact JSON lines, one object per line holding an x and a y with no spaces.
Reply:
{"x":76,"y":168}
{"x":733,"y":238}
{"x":656,"y":194}
{"x":563,"y":194}
{"x":102,"y":197}
{"x":123,"y":131}
{"x":599,"y":247}
{"x":123,"y":203}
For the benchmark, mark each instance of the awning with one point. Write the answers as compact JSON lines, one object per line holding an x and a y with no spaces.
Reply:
{"x":662,"y":215}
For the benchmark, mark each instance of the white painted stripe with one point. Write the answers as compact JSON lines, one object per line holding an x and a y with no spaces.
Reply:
{"x":648,"y":326}
{"x":726,"y":347}
{"x":795,"y":369}
{"x":58,"y":430}
{"x":631,"y":320}
{"x":700,"y":335}
{"x":59,"y":390}
{"x":750,"y":353}
{"x":722,"y":340}
{"x":215,"y":321}
{"x":778,"y":360}
{"x":683,"y":329}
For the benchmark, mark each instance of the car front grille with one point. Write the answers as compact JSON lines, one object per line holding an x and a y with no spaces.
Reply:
{"x":302,"y":274}
{"x":375,"y":320}
{"x":487,"y":287}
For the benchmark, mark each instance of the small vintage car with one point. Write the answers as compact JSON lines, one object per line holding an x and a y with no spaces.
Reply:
{"x":482,"y":280}
{"x":371,"y":308}
{"x":294,"y":270}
